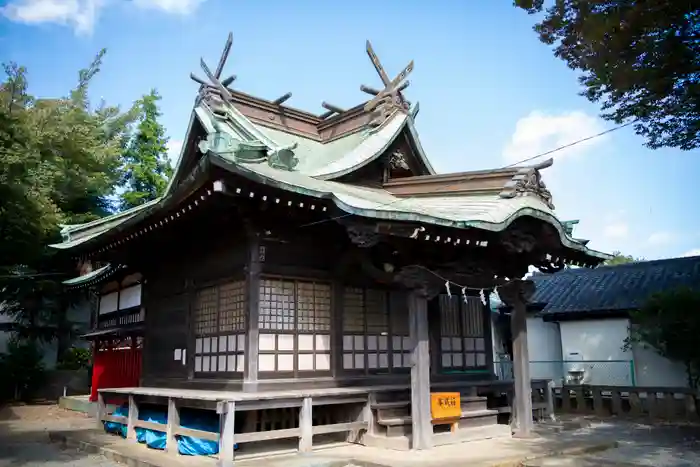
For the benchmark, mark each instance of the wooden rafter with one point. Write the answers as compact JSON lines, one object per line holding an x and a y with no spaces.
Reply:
{"x":213,"y":86}
{"x":390,"y":98}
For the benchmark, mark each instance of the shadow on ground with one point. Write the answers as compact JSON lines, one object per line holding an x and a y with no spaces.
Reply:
{"x":643,"y":444}
{"x":24,"y":438}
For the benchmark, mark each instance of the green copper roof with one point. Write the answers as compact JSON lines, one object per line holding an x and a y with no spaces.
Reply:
{"x":305,"y":166}
{"x":86,"y":278}
{"x":484,"y":212}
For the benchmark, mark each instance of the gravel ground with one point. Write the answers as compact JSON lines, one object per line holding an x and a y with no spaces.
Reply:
{"x":658,"y":445}
{"x":24,"y":439}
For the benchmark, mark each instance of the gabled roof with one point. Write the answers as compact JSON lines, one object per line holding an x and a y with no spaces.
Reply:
{"x":612,"y":288}
{"x":306,"y":166}
{"x":351,"y":152}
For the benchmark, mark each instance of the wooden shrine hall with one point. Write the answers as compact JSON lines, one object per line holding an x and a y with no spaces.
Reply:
{"x":311,"y":275}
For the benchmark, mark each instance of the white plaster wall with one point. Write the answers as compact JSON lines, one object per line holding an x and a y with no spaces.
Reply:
{"x":598,"y":346}
{"x":654,"y":370}
{"x":545,"y":349}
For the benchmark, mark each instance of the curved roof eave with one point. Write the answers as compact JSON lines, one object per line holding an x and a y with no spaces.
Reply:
{"x":565,"y":239}
{"x":403,"y":121}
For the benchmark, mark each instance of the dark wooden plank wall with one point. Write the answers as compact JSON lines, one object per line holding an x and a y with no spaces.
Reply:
{"x":172,"y":280}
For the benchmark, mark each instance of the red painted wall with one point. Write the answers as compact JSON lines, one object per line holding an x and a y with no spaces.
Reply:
{"x":115,"y":368}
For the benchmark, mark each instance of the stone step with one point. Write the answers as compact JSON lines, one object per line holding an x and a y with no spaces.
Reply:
{"x":472,"y":403}
{"x":403,"y":441}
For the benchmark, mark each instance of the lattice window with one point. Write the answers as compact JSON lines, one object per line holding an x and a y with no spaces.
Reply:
{"x":295,"y":326}
{"x":205,"y":311}
{"x":277,"y":305}
{"x":462,"y":333}
{"x":232,"y":306}
{"x":353,"y":310}
{"x":313,"y":306}
{"x":219,"y":322}
{"x":366,"y":338}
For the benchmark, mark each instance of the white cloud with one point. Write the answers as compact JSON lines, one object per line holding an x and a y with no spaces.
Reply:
{"x":616,"y":230}
{"x":660,"y":238}
{"x":540,"y":132}
{"x":169,"y":6}
{"x":79,"y":14}
{"x":693,"y":252}
{"x":82,"y":15}
{"x":174,"y":148}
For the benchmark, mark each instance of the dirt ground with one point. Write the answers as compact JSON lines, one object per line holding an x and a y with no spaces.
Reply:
{"x":24,"y":437}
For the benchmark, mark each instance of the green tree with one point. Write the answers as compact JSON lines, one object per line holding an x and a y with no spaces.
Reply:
{"x":146,"y":164}
{"x":59,"y":163}
{"x":619,"y":258}
{"x":639,"y":59}
{"x":669,"y":323}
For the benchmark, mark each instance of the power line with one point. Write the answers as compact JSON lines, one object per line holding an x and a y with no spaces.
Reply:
{"x":551,"y":151}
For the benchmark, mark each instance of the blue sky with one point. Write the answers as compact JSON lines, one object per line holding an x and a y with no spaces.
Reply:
{"x":490,"y":92}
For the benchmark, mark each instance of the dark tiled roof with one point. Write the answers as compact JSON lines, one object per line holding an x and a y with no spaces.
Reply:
{"x":613,"y":288}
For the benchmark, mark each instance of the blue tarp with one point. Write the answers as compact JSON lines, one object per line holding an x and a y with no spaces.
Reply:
{"x":117,"y":428}
{"x":204,"y":420}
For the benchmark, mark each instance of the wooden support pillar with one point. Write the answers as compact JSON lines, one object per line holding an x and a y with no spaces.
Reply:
{"x":101,"y":409}
{"x":488,"y":333}
{"x":132,"y":418}
{"x":516,"y":293}
{"x":254,"y":266}
{"x":420,"y":371}
{"x":173,"y":423}
{"x":306,"y":426}
{"x":227,"y":414}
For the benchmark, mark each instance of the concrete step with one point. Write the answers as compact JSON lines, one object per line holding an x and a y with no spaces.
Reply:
{"x":472,"y":403}
{"x":403,"y":442}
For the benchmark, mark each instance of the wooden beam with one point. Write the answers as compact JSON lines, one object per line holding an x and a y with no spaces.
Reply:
{"x":332,"y":107}
{"x":422,"y":428}
{"x":226,"y":440}
{"x":229,"y":80}
{"x":101,"y":409}
{"x":173,"y":423}
{"x":306,"y":425}
{"x":199,"y":80}
{"x":515,"y":294}
{"x":369,"y":90}
{"x":224,"y":56}
{"x":252,"y":337}
{"x":133,"y":417}
{"x":325,"y":115}
{"x":415,"y":110}
{"x":280,"y":100}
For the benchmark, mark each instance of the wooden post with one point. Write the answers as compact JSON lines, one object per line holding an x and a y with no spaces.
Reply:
{"x":488,"y":334}
{"x":101,"y":409}
{"x":173,"y":423}
{"x":515,"y":293}
{"x":306,"y":426}
{"x":420,"y":371}
{"x":549,"y":400}
{"x":227,"y":414}
{"x":133,"y":417}
{"x":255,"y":255}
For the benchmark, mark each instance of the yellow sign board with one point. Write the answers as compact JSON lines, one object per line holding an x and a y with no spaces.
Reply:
{"x":445,"y":405}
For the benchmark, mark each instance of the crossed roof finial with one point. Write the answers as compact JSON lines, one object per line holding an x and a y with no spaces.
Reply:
{"x":389,"y":99}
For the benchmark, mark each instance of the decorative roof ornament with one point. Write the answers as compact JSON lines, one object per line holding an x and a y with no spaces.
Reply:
{"x":397,"y":160}
{"x":388,"y":100}
{"x":215,"y":90}
{"x":528,"y":180}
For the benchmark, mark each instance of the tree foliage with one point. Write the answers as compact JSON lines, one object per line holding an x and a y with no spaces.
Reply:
{"x":670,"y":324}
{"x":59,"y":163}
{"x":146,"y":165}
{"x":639,"y":59}
{"x":618,"y":258}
